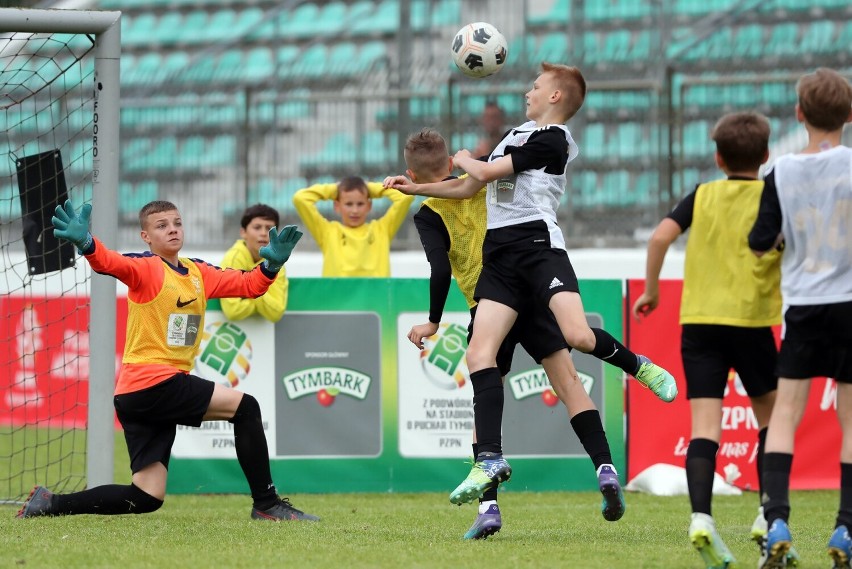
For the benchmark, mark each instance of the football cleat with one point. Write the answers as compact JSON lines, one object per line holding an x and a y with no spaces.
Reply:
{"x":282,"y":511}
{"x":777,"y":549}
{"x":708,"y":543}
{"x":658,"y":380}
{"x":489,"y":470}
{"x":486,"y":523}
{"x":613,"y":504}
{"x":840,"y":548}
{"x":39,"y":503}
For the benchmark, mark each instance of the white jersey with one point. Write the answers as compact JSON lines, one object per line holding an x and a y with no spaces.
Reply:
{"x":531,"y":194}
{"x":815,"y":195}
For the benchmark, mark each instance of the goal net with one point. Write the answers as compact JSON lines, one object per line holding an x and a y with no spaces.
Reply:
{"x":51,"y":101}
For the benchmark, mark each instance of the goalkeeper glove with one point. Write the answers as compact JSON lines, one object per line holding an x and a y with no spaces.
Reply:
{"x":72,"y":227}
{"x":280,"y":245}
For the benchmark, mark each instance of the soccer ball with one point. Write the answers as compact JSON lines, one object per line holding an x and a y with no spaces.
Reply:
{"x":479,"y":50}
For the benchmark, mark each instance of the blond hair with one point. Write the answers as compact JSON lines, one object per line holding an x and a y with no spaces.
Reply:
{"x":571,"y":82}
{"x":426,"y":154}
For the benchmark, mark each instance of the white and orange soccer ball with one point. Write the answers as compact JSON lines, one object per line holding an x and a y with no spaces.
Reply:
{"x":479,"y":50}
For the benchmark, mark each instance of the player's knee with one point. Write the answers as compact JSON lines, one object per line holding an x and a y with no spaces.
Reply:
{"x":142,"y":502}
{"x":477,"y":358}
{"x":583,"y":340}
{"x":247,"y":410}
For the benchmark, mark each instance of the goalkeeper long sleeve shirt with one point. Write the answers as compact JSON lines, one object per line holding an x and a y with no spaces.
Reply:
{"x":165,"y":309}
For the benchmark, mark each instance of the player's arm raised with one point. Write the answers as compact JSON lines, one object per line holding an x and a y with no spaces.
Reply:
{"x":456,"y":188}
{"x":484,"y":172}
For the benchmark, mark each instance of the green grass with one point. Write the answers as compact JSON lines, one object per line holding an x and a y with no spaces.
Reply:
{"x":403,"y":530}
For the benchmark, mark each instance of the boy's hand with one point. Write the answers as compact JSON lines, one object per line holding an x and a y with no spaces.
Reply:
{"x":72,"y":227}
{"x":645,"y":304}
{"x":420,"y":331}
{"x":280,"y":245}
{"x":402,"y":184}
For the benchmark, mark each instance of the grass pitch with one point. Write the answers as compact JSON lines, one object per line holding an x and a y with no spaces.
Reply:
{"x":546,"y":529}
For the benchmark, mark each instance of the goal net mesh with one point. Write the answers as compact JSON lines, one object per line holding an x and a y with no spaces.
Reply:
{"x":47,"y":115}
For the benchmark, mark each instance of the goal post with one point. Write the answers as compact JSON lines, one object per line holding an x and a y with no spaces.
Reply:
{"x":103,"y":28}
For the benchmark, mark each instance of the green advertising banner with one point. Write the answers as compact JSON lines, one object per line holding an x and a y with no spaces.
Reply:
{"x":350,"y":405}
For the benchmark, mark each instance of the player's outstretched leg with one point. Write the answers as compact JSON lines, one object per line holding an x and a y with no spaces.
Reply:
{"x":282,"y":511}
{"x":840,"y":548}
{"x":613,"y":504}
{"x":39,"y":503}
{"x":777,"y":547}
{"x":487,"y":523}
{"x":657,"y":379}
{"x":708,"y":543}
{"x":489,"y":468}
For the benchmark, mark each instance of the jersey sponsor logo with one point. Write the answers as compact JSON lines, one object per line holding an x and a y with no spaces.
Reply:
{"x":181,"y":304}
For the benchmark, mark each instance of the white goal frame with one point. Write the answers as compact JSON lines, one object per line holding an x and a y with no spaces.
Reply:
{"x":106,"y":28}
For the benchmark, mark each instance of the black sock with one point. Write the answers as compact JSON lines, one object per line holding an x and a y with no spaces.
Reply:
{"x":844,"y":515}
{"x":776,"y":486}
{"x":589,"y":429}
{"x":488,"y":409}
{"x":614,"y":352}
{"x":700,"y":471}
{"x":761,"y":445}
{"x":106,"y":500}
{"x":253,"y":452}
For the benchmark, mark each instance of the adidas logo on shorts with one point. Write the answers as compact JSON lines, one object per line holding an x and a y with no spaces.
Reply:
{"x":555,"y":283}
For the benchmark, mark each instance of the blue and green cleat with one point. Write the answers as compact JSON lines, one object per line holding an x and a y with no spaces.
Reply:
{"x":490,"y":469}
{"x":657,"y":379}
{"x":840,"y":548}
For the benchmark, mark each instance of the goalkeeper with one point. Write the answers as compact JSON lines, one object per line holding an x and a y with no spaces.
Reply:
{"x":167,"y":296}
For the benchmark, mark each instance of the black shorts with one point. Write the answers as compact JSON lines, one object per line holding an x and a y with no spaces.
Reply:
{"x":709,"y":351}
{"x":536,"y":330}
{"x":817,"y":342}
{"x":150,"y":416}
{"x":519,"y":265}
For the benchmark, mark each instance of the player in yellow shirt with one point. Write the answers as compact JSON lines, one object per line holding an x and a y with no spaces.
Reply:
{"x":729,"y":303}
{"x":244,"y":254}
{"x":353,"y":246}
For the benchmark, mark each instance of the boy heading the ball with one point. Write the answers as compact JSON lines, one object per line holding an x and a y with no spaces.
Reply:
{"x":167,"y":296}
{"x":524,"y":255}
{"x":452,"y":232}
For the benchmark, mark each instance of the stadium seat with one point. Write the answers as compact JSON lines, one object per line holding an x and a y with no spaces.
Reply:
{"x":383,"y":19}
{"x":228,"y":65}
{"x":553,"y":47}
{"x":818,"y":38}
{"x":258,"y":65}
{"x":312,"y":63}
{"x":341,"y":59}
{"x":559,"y":13}
{"x":194,"y":28}
{"x":446,"y":12}
{"x":301,"y":22}
{"x":169,"y":29}
{"x":782,"y":41}
{"x":369,"y":54}
{"x":592,"y":142}
{"x":748,"y":41}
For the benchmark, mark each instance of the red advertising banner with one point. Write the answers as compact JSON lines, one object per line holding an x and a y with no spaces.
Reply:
{"x":659,"y":432}
{"x":44,"y":358}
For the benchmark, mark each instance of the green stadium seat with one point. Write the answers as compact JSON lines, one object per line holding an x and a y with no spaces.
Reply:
{"x":559,"y":13}
{"x":383,"y":19}
{"x":341,"y":58}
{"x":782,"y":40}
{"x":221,"y":151}
{"x":616,"y":46}
{"x":696,"y":139}
{"x":172,"y":65}
{"x":641,"y":48}
{"x":228,"y":66}
{"x":312,"y":63}
{"x":748,"y":41}
{"x":168,"y":29}
{"x":369,"y":54}
{"x":258,"y":65}
{"x":339,"y":149}
{"x":818,"y":38}
{"x":301,"y":22}
{"x":446,"y":12}
{"x":521,"y":51}
{"x":222,"y":25}
{"x":591,"y":48}
{"x":332,"y":17}
{"x":553,"y":48}
{"x":194,"y":28}
{"x":145,"y":70}
{"x":420,"y":12}
{"x":591,"y":141}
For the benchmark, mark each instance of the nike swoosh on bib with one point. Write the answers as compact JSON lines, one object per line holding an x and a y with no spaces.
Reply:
{"x":181,"y":304}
